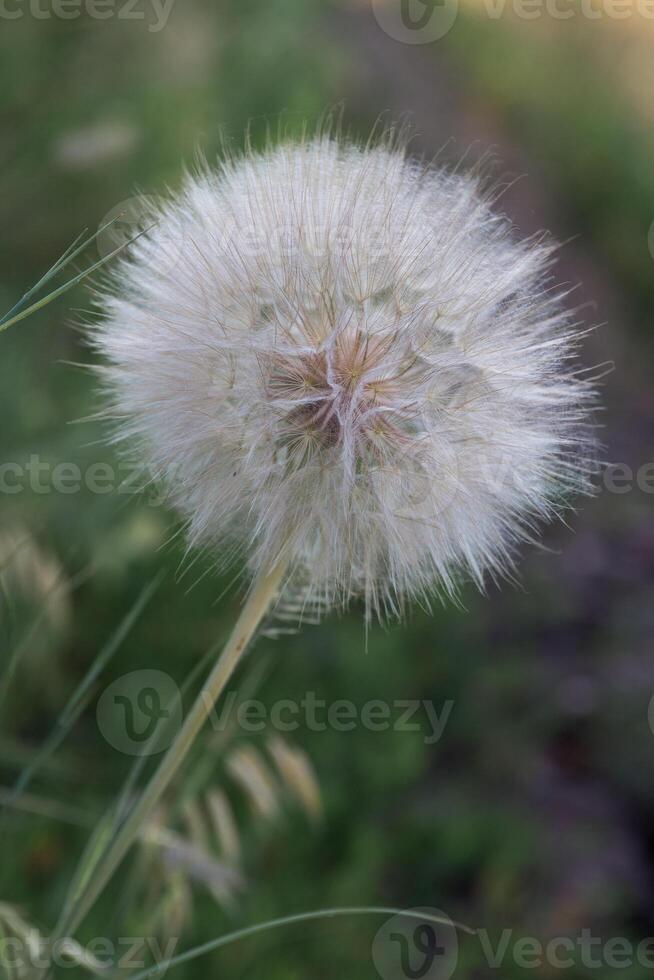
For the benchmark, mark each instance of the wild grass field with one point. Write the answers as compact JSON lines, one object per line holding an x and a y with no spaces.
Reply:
{"x":531,"y":809}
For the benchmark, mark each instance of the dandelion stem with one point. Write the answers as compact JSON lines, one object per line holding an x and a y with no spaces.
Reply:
{"x":264,"y":591}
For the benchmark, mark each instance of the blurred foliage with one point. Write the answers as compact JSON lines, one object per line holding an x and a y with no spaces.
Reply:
{"x":534,"y":810}
{"x":562,"y":98}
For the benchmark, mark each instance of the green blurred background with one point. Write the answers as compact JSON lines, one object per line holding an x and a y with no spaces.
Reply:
{"x":533,"y":811}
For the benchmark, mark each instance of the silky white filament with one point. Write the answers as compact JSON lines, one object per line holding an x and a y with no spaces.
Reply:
{"x":342,"y":358}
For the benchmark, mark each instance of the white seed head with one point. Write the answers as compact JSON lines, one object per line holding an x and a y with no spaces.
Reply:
{"x":340,"y":357}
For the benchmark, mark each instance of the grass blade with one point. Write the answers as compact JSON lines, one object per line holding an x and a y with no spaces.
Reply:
{"x":287,"y":920}
{"x":81,"y":695}
{"x":18,"y":312}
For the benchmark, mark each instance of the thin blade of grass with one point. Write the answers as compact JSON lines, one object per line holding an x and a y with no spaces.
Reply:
{"x":60,"y":264}
{"x":91,"y":856}
{"x":68,"y":256}
{"x":39,"y":806}
{"x":199,"y":775}
{"x":23,"y":645}
{"x":13,"y":317}
{"x":206,"y":762}
{"x":187,"y":790}
{"x":82,"y":693}
{"x":10,"y":665}
{"x":138,"y":767}
{"x":60,"y":291}
{"x":288,"y":920}
{"x":262,"y":593}
{"x":74,"y":908}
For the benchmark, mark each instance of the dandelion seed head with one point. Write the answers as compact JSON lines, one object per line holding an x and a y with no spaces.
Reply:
{"x":338,"y":356}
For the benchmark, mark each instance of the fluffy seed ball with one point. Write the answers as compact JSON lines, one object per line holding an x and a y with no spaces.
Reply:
{"x":338,"y":357}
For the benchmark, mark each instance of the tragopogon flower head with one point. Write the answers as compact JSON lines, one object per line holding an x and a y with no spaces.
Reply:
{"x":342,"y":358}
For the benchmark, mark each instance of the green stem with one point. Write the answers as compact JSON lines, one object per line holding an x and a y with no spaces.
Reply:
{"x":263,"y":593}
